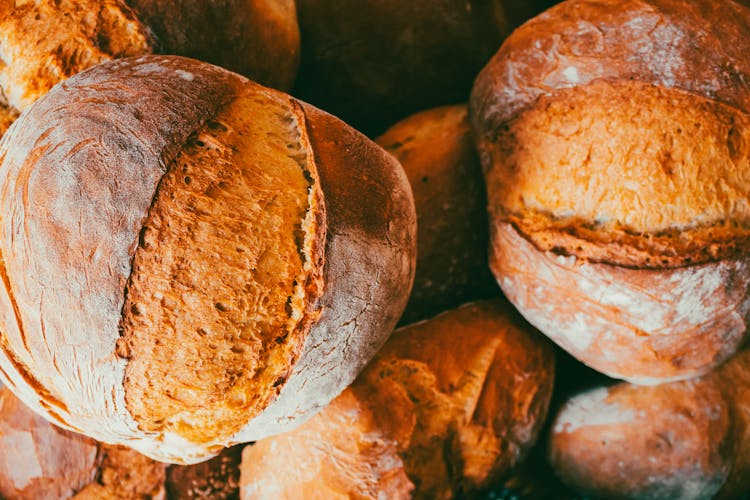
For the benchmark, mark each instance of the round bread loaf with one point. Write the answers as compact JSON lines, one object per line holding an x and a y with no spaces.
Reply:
{"x":685,"y":439}
{"x":191,"y":260}
{"x":437,"y":152}
{"x":373,"y":62}
{"x":449,"y":406}
{"x":614,"y":140}
{"x":39,"y":460}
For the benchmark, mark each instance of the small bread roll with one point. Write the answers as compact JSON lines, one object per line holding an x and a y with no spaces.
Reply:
{"x":448,"y":406}
{"x":200,"y":261}
{"x":373,"y":62}
{"x":255,"y":38}
{"x":437,"y":152}
{"x":614,"y":140}
{"x":686,"y":439}
{"x":39,"y":460}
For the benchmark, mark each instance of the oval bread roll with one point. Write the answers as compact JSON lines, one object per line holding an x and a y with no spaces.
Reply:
{"x":685,"y":439}
{"x":191,"y":260}
{"x":437,"y":153}
{"x":614,"y":140}
{"x":448,"y":407}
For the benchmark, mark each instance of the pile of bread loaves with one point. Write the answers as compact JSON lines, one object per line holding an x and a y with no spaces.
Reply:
{"x":200,"y":275}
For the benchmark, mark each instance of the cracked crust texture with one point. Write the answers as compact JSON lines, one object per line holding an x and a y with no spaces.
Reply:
{"x":437,"y":152}
{"x":448,"y":406}
{"x":43,"y":42}
{"x":132,"y":165}
{"x":613,"y":137}
{"x":680,"y":440}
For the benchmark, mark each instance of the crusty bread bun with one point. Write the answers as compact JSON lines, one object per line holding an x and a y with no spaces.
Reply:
{"x":39,"y":460}
{"x":448,"y":406}
{"x":437,"y":152}
{"x":255,"y":38}
{"x":42,"y":42}
{"x":686,"y":439}
{"x":614,"y":139}
{"x":373,"y":62}
{"x":200,"y":260}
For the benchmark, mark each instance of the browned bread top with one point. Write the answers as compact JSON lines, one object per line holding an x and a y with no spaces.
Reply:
{"x":675,"y":44}
{"x":617,"y":131}
{"x":448,"y":406}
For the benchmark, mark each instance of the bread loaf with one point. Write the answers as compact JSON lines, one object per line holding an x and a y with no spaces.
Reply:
{"x":191,"y":260}
{"x":448,"y":406}
{"x":437,"y":153}
{"x":686,"y":439}
{"x":45,"y":41}
{"x":255,"y":38}
{"x":375,"y":62}
{"x":613,"y":136}
{"x":39,"y":460}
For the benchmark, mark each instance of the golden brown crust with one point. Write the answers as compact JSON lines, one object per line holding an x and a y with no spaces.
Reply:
{"x":60,"y":347}
{"x":437,"y":153}
{"x":218,"y":306}
{"x":455,"y":401}
{"x":669,"y":441}
{"x":256,"y":38}
{"x":8,"y":115}
{"x":614,"y":172}
{"x":613,"y":137}
{"x":370,"y":252}
{"x":42,"y":42}
{"x":374,"y":62}
{"x":568,"y":105}
{"x":340,"y":453}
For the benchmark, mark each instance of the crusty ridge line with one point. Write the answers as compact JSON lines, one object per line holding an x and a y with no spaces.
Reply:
{"x":707,"y":253}
{"x":316,"y":260}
